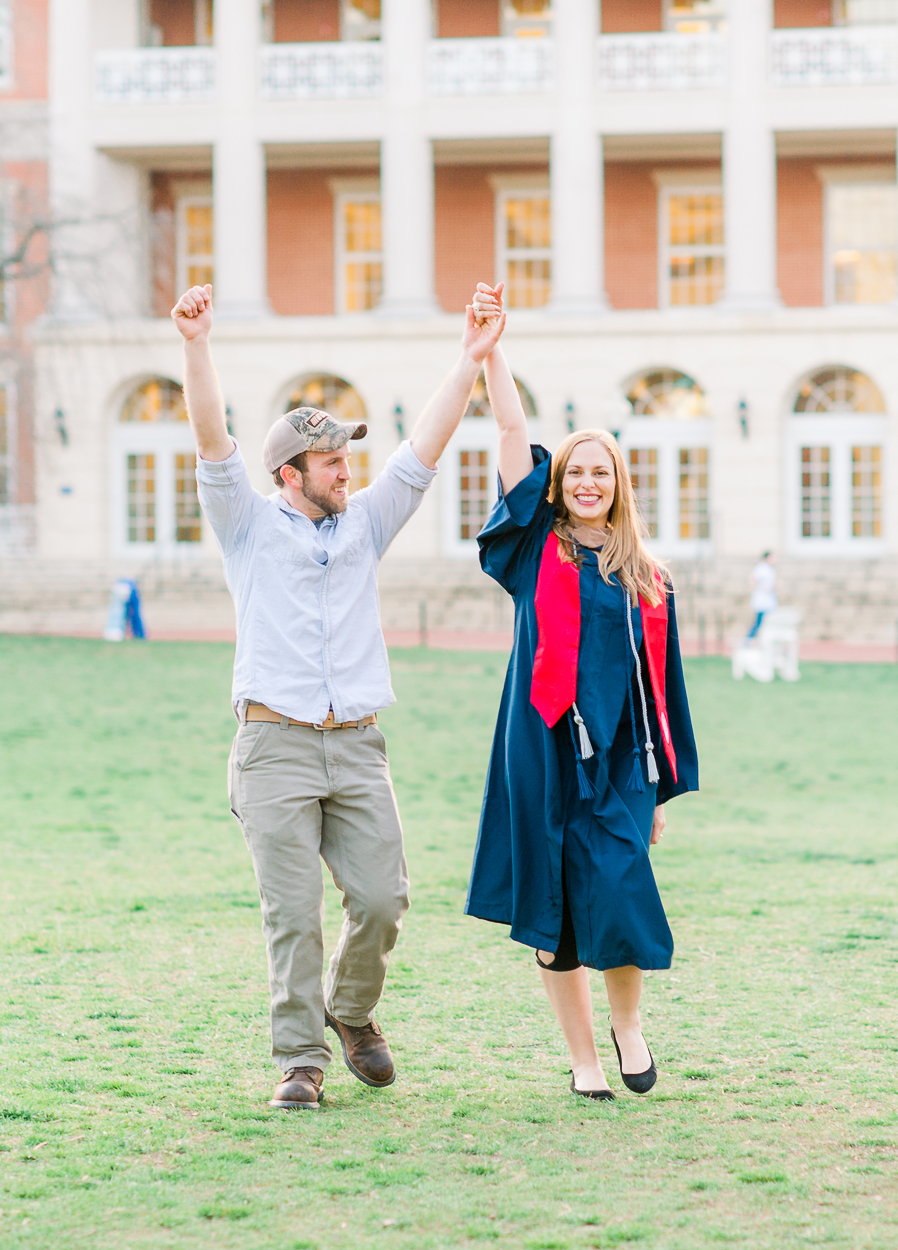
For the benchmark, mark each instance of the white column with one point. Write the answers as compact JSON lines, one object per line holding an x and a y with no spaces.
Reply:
{"x":238,"y":182}
{"x":406,"y":164}
{"x":576,"y":165}
{"x":72,"y":156}
{"x":749,"y":165}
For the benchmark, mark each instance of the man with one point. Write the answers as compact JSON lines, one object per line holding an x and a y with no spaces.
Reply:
{"x":308,"y":771}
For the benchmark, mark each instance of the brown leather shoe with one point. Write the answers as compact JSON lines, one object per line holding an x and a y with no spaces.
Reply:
{"x":365,"y":1051}
{"x":300,"y":1090}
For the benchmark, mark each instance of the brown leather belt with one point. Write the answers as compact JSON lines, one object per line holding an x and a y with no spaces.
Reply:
{"x":258,"y":711}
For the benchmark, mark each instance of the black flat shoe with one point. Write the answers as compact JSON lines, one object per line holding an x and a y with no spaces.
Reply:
{"x":638,"y":1082}
{"x":600,"y":1095}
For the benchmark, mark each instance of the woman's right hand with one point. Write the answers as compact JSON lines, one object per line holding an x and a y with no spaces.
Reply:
{"x":487,"y":302}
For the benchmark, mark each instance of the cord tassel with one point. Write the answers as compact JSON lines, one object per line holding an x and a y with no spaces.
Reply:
{"x":583,"y":782}
{"x":586,"y":751}
{"x":654,"y":775}
{"x":636,"y":783}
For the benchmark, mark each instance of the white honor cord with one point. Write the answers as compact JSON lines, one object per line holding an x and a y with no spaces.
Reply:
{"x":654,"y":775}
{"x":586,"y":751}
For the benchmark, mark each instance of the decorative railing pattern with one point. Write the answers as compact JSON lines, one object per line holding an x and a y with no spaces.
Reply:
{"x":154,"y":75}
{"x":324,"y":71}
{"x":845,"y":56}
{"x":489,"y":66}
{"x":664,"y":62}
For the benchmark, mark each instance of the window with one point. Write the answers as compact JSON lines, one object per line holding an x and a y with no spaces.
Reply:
{"x":643,"y":465}
{"x":694,"y":17}
{"x":195,"y":241}
{"x":7,"y":446}
{"x":523,"y":246}
{"x":866,"y":492}
{"x":479,"y":404}
{"x":815,"y":492}
{"x":864,"y":12}
{"x":836,"y":436}
{"x":473,"y":492}
{"x":526,"y":18}
{"x":360,"y":19}
{"x":862,"y":242}
{"x":154,"y":452}
{"x":692,"y":246}
{"x":666,"y":444}
{"x":6,"y":45}
{"x":359,"y":251}
{"x":341,"y":400}
{"x":141,"y":498}
{"x":471,"y":487}
{"x":187,"y":505}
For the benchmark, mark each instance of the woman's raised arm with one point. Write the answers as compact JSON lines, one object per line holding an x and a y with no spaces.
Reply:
{"x":515,"y":460}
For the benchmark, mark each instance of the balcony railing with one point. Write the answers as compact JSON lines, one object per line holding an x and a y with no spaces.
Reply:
{"x":322,"y":71}
{"x":489,"y":66}
{"x":154,"y":75}
{"x":845,"y":56}
{"x":664,"y":62}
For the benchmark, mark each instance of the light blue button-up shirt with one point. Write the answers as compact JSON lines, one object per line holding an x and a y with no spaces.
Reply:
{"x":308,"y":617}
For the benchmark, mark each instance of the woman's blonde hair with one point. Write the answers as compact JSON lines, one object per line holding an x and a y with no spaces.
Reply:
{"x":624,"y":553}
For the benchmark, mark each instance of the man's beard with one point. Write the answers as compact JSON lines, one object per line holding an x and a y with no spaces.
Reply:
{"x":328,"y":505}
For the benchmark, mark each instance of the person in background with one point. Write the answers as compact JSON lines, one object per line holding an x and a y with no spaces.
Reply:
{"x":763,"y":595}
{"x":309,"y":777}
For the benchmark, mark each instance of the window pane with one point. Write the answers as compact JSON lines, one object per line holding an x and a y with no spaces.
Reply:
{"x":363,"y":285}
{"x":358,"y":465}
{"x":187,"y":506}
{"x":159,"y":400}
{"x":199,"y":275}
{"x":694,"y":519}
{"x":528,"y":223}
{"x":644,"y":476}
{"x":362,"y":223}
{"x":141,"y":499}
{"x":866,"y":492}
{"x":863,"y":215}
{"x":865,"y":277}
{"x":838,"y":389}
{"x":696,"y":220}
{"x":815,"y":493}
{"x":695,"y":279}
{"x":473,"y":492}
{"x":199,"y":230}
{"x":529,"y":283}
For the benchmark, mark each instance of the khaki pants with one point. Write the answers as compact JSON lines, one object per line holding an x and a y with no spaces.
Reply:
{"x":301,"y":794}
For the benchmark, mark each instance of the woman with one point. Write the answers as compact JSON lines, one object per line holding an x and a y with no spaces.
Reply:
{"x":593,"y":737}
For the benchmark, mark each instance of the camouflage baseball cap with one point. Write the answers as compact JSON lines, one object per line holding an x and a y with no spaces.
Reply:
{"x":306,"y":429}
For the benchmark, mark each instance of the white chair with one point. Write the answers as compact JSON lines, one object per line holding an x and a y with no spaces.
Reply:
{"x":776,"y":650}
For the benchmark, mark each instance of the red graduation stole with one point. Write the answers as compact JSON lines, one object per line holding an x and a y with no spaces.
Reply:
{"x":554,"y":685}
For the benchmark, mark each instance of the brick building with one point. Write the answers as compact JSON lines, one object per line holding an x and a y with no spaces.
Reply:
{"x":693,"y":204}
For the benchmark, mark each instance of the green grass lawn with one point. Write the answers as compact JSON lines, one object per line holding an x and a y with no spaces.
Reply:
{"x":134,"y":1068}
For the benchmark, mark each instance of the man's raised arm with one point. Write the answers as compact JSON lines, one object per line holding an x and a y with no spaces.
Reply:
{"x":440,"y":419}
{"x":205,"y":404}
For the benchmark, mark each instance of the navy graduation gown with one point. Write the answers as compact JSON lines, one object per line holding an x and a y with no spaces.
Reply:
{"x":533,"y":821}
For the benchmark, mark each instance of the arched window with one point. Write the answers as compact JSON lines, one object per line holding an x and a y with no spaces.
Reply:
{"x":470,"y":490}
{"x":157,"y":511}
{"x":667,"y":445}
{"x":339,"y":398}
{"x":479,"y":404}
{"x":836,"y":436}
